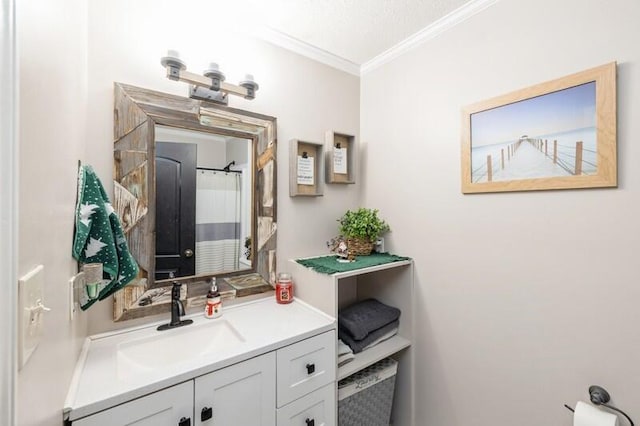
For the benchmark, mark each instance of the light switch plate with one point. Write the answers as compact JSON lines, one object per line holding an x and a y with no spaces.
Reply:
{"x":31,"y":296}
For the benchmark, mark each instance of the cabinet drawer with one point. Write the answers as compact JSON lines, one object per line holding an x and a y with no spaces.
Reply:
{"x":317,"y":408}
{"x":305,"y":366}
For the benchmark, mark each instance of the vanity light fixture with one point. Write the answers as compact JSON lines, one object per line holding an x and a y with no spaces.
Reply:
{"x":210,"y":86}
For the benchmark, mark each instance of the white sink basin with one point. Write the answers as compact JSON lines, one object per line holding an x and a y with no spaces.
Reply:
{"x":162,"y":349}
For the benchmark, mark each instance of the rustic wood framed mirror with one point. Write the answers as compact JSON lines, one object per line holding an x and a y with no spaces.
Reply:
{"x":163,"y":148}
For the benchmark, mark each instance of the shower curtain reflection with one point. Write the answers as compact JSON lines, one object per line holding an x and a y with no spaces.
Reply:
{"x":218,"y":221}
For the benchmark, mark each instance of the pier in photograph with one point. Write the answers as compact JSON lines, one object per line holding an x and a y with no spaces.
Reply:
{"x":530,"y":158}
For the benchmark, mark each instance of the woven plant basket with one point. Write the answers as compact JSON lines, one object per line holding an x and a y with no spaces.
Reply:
{"x":359,"y":247}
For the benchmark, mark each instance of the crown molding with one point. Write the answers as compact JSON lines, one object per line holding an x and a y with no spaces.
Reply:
{"x":305,"y":49}
{"x":431,"y":31}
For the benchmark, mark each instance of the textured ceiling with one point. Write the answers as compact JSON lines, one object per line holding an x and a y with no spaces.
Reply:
{"x":355,"y":30}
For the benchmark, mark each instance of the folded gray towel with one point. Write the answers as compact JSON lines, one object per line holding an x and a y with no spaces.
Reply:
{"x":363,"y":317}
{"x":358,"y":345}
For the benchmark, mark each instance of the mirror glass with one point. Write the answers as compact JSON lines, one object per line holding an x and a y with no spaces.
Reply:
{"x":195,"y":190}
{"x":203,"y":183}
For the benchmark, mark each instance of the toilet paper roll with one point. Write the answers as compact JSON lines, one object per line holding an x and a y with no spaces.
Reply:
{"x":589,"y":415}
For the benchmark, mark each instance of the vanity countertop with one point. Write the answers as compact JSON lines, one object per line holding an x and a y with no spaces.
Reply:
{"x":114,"y":368}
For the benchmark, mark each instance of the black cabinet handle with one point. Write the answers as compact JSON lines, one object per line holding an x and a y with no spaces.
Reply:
{"x":310,"y":422}
{"x":185,"y":421}
{"x":311,"y":368}
{"x":206,"y":414}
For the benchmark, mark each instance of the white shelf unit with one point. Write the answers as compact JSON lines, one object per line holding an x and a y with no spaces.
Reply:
{"x":392,"y":284}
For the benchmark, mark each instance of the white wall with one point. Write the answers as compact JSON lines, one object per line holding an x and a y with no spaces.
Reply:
{"x":523,"y":299}
{"x":53,"y":104}
{"x":126,"y":40}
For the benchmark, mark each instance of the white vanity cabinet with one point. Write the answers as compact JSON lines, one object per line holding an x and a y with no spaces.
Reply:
{"x":390,"y":283}
{"x":281,"y":370}
{"x":244,"y":393}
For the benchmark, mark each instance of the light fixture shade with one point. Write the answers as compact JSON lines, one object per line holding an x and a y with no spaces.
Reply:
{"x":213,"y":71}
{"x":173,"y":60}
{"x":249,"y":82}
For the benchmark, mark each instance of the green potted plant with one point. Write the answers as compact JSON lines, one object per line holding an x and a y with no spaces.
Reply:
{"x":361,"y":228}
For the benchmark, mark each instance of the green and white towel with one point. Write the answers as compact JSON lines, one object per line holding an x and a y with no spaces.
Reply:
{"x":99,"y":237}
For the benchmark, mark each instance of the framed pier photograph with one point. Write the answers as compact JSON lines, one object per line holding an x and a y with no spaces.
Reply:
{"x":555,"y":135}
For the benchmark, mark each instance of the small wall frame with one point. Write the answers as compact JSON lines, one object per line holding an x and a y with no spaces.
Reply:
{"x":305,"y":168}
{"x":341,"y":157}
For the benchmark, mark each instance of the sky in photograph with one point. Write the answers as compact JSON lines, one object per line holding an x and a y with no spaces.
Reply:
{"x":572,"y":108}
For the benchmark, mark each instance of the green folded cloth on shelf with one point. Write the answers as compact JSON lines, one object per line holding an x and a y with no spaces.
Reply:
{"x":330,"y":264}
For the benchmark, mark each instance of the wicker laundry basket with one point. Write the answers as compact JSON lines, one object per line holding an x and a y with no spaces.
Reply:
{"x":365,"y":398}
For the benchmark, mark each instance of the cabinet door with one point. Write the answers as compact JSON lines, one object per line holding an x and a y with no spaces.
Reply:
{"x":169,"y":407}
{"x":317,"y":408}
{"x":242,"y":394}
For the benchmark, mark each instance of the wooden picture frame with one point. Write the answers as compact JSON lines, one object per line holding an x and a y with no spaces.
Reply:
{"x":305,"y":168}
{"x":341,"y":157}
{"x":560,"y":134}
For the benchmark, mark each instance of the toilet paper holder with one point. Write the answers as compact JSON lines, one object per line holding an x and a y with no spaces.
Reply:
{"x":599,"y":396}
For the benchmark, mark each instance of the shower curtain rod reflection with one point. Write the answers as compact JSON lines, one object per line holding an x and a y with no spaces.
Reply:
{"x":218,"y":170}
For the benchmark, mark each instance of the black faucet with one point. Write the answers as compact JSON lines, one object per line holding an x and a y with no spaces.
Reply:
{"x":177,"y":309}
